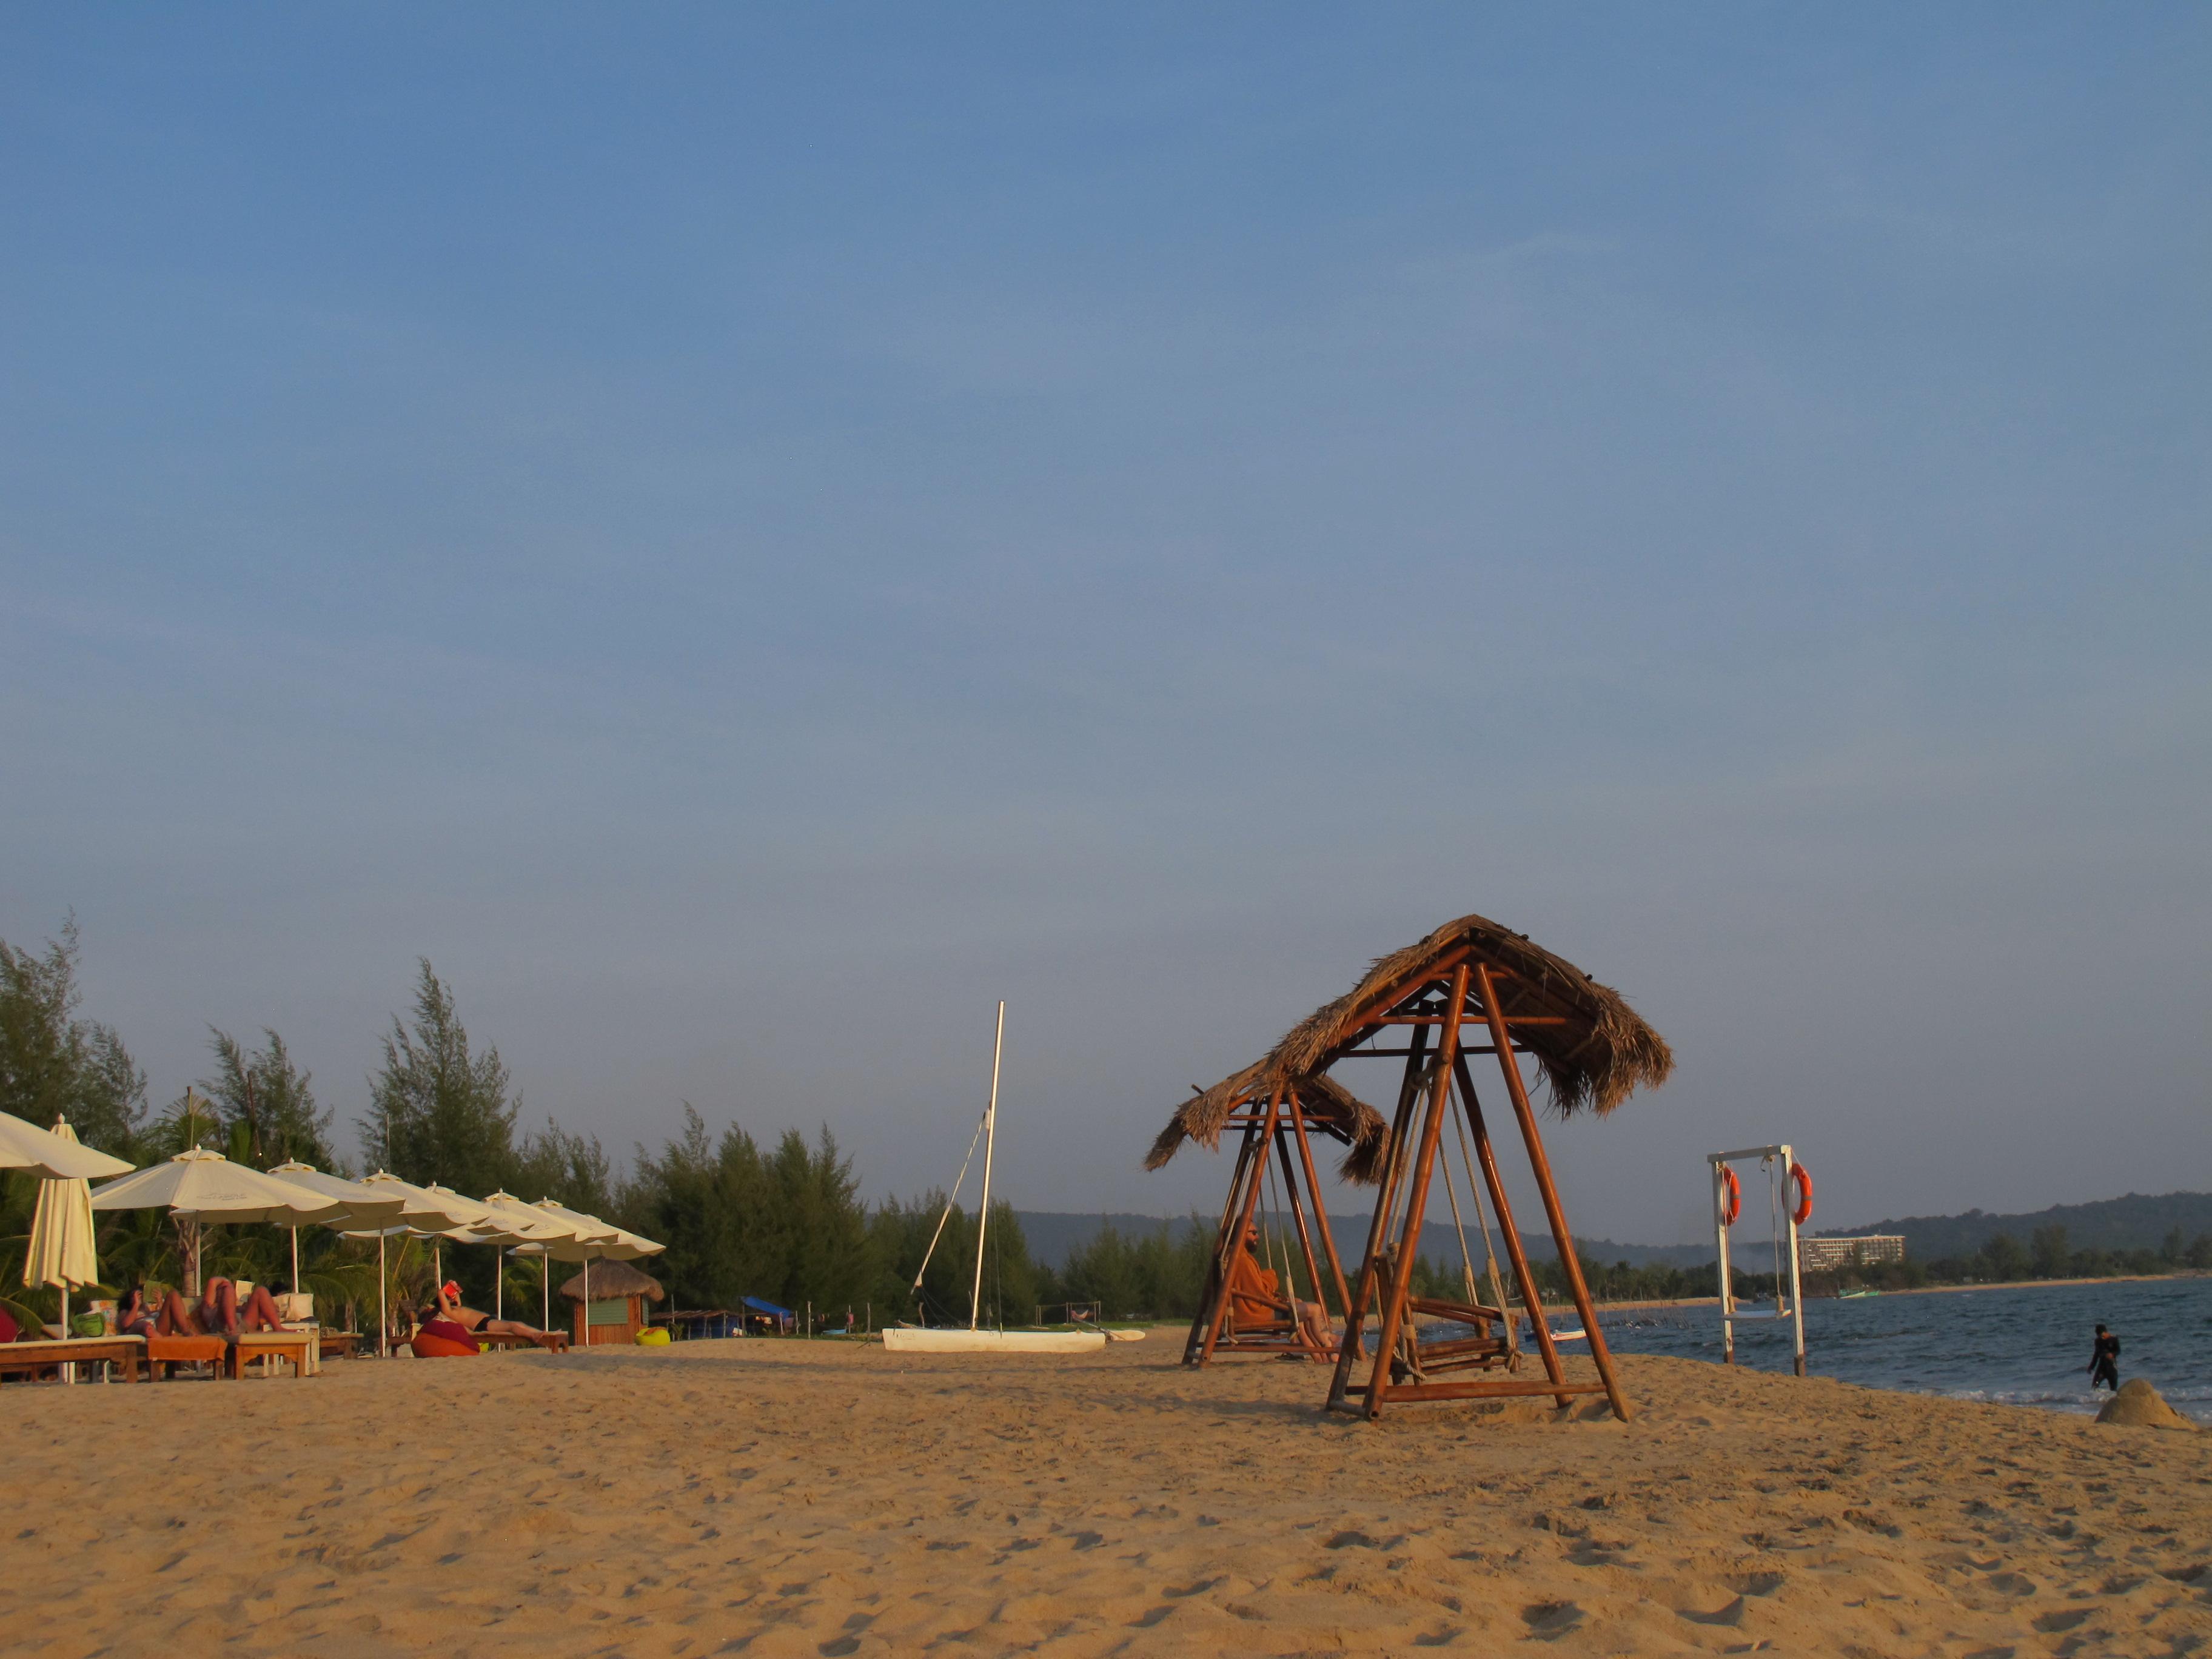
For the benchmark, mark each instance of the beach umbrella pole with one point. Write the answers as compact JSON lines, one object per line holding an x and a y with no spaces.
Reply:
{"x":499,"y":1284}
{"x":295,"y":1262}
{"x":383,"y":1317}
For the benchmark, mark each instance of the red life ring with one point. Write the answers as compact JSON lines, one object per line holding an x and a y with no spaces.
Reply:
{"x":1732,"y":1197}
{"x":1803,"y":1180}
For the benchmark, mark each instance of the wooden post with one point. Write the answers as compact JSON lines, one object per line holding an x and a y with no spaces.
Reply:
{"x":1539,"y":1328}
{"x":1355,"y":1312}
{"x":1231,"y":1242}
{"x":1299,"y":1219}
{"x":1201,"y":1320}
{"x":1409,"y":1236}
{"x":1321,"y":1213}
{"x":1557,"y":1216}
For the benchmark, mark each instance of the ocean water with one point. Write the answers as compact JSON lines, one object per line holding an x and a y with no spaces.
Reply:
{"x":2026,"y":1346}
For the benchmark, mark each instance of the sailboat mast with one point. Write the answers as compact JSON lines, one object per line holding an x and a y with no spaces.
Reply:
{"x":990,"y":1139}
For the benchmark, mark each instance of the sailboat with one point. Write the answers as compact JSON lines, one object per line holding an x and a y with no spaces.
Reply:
{"x":920,"y":1339}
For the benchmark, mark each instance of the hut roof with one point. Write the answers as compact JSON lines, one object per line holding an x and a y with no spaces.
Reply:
{"x":613,"y":1278}
{"x":1599,"y":1053}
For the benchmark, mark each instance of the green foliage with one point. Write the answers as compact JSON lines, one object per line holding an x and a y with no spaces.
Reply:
{"x":263,"y":1093}
{"x":53,"y":1063}
{"x":1156,"y":1275}
{"x":570,"y":1169}
{"x":786,"y":1225}
{"x":438,"y":1113}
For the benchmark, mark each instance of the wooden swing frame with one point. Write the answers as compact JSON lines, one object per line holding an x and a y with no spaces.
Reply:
{"x":1277,"y":1128}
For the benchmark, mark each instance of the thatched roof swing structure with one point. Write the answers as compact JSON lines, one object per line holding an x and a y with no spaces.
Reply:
{"x":1591,"y":1051}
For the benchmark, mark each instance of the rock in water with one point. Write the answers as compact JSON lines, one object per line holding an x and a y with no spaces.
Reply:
{"x":2139,"y":1406}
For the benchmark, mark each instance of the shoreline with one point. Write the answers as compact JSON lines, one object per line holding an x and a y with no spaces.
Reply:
{"x":1551,"y":1308}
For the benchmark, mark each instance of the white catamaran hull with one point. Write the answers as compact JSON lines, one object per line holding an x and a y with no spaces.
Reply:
{"x":914,"y":1339}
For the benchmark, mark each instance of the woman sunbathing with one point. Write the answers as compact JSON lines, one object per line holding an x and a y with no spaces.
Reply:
{"x":219,"y":1313}
{"x":471,"y":1323}
{"x":132,"y":1317}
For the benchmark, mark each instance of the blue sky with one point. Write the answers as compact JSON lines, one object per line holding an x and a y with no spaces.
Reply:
{"x":744,"y":537}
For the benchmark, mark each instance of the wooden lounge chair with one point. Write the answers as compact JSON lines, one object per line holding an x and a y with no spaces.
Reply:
{"x":39,"y":1355}
{"x":300,"y":1348}
{"x":335,"y":1345}
{"x":489,"y":1341}
{"x":164,"y":1352}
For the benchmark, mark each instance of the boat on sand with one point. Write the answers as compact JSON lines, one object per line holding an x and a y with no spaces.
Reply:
{"x":922,"y":1339}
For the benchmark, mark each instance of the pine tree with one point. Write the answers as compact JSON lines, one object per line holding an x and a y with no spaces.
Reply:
{"x":436,"y":1112}
{"x":53,"y":1063}
{"x":271,"y":1099}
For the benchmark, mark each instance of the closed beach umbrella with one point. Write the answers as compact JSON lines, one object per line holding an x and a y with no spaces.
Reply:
{"x":61,"y":1250}
{"x":197,"y":1185}
{"x":52,"y":1157}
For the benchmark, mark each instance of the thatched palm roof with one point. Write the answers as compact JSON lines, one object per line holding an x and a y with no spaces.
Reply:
{"x":610,"y":1279}
{"x":1599,"y":1053}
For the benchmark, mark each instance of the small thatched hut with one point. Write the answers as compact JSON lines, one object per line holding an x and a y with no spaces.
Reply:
{"x":616,"y":1312}
{"x":1510,"y":997}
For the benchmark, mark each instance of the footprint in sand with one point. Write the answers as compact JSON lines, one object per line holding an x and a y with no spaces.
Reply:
{"x":1549,"y":1620}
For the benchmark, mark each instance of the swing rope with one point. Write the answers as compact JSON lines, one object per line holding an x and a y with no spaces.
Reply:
{"x":1489,"y":1250}
{"x":952,"y":1199}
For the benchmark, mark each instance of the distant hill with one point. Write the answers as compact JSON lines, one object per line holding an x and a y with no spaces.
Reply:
{"x":2136,"y":1222}
{"x":2133,"y":1222}
{"x":1055,"y":1235}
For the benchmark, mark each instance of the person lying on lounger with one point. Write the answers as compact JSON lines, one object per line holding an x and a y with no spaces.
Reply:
{"x":219,"y":1312}
{"x":468,"y":1323}
{"x":132,"y":1317}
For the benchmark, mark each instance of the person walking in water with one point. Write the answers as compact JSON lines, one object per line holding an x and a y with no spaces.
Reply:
{"x":2104,"y":1362}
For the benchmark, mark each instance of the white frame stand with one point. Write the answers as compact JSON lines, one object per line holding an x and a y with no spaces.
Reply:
{"x":1796,"y":1310}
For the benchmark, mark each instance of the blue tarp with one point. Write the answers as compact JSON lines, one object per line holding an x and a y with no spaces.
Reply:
{"x":759,"y":1306}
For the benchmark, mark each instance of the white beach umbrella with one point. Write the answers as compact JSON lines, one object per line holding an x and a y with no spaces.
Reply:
{"x":198,"y":1186}
{"x":539,"y":1228}
{"x":594,"y":1240}
{"x":52,"y":1157}
{"x":424,"y":1213}
{"x":61,"y":1242}
{"x":363,"y":1203}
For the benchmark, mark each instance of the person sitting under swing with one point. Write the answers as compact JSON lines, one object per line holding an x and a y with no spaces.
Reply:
{"x":1257,"y":1300}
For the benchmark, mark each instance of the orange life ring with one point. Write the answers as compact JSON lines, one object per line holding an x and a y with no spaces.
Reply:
{"x":1731,"y":1197}
{"x":1803,"y":1180}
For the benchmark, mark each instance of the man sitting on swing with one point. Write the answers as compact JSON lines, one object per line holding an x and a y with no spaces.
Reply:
{"x":1256,"y":1298}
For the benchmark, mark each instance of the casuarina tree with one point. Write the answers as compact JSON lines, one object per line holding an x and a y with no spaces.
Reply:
{"x":437,"y":1112}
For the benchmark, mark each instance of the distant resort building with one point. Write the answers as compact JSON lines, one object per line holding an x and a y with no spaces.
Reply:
{"x":1820,"y":1255}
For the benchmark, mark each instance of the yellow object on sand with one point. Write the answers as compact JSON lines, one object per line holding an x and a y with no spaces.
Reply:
{"x":654,"y":1337}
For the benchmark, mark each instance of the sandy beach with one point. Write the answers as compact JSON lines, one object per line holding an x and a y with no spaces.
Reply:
{"x":817,"y":1498}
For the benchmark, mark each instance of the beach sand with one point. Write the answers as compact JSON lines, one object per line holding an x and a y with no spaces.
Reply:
{"x":824,"y":1499}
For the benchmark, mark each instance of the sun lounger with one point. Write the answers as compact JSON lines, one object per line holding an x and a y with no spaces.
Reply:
{"x":37,"y":1356}
{"x":335,"y":1345}
{"x":489,"y":1341}
{"x":163,"y":1352}
{"x":299,"y":1348}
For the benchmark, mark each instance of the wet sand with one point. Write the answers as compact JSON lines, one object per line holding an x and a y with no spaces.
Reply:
{"x":821,"y":1499}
